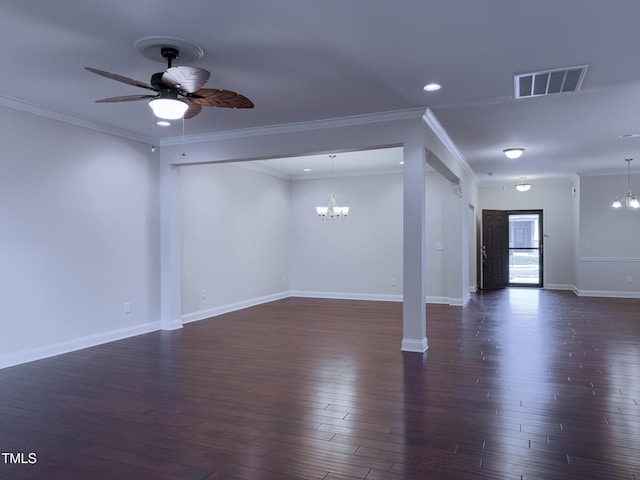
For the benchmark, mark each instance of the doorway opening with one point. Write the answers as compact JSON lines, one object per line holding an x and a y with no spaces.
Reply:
{"x":525,"y":249}
{"x":512,"y":248}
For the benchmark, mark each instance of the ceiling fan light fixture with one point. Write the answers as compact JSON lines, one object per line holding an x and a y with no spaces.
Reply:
{"x":168,"y":108}
{"x":513,"y":153}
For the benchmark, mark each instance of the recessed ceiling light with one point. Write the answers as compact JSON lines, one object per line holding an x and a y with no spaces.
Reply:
{"x":163,"y":123}
{"x":432,"y":87}
{"x":513,"y":152}
{"x":306,"y":170}
{"x":401,"y":162}
{"x":630,"y":135}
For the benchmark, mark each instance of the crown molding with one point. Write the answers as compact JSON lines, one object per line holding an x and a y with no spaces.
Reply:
{"x":437,"y":128}
{"x":395,"y":115}
{"x":63,"y":117}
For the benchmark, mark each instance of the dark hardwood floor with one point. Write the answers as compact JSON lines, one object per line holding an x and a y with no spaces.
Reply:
{"x":522,"y":384}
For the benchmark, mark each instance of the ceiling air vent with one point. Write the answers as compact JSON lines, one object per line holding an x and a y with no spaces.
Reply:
{"x":548,"y":82}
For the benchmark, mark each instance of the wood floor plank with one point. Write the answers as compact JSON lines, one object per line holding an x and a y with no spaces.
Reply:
{"x":521,"y":384}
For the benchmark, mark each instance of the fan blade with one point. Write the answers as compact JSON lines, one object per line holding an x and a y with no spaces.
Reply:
{"x":185,"y":78}
{"x":126,"y":98}
{"x":120,"y":78}
{"x":194,"y":109}
{"x":212,"y":97}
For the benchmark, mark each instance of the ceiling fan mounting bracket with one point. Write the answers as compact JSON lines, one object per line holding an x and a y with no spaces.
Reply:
{"x":170,"y":54}
{"x":152,"y":47}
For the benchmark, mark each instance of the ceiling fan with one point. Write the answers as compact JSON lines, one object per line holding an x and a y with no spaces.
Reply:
{"x":179,"y":92}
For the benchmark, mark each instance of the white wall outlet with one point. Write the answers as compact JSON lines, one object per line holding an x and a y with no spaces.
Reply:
{"x":126,"y":307}
{"x":203,"y":294}
{"x":629,"y":279}
{"x":439,"y":246}
{"x":284,"y":280}
{"x":392,"y":282}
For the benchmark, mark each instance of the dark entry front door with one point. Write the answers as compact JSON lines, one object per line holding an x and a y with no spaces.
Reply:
{"x":495,"y":249}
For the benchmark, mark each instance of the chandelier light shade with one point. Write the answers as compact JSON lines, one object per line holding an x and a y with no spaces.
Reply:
{"x":523,"y":186}
{"x":629,"y":199}
{"x":332,"y":211}
{"x":513,"y":152}
{"x":168,"y":108}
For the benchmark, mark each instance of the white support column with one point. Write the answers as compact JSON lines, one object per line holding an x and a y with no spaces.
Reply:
{"x":414,"y":338}
{"x":170,"y":310}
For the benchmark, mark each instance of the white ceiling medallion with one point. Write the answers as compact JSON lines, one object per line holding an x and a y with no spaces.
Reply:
{"x":151,"y":48}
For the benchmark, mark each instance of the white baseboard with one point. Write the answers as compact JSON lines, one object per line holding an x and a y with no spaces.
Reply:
{"x":606,"y":293}
{"x":593,"y":293}
{"x":437,"y":300}
{"x":560,"y":286}
{"x":174,"y":324}
{"x":232,"y":307}
{"x":347,"y":296}
{"x":378,"y":297}
{"x":410,"y":345}
{"x":451,"y":301}
{"x":52,"y":350}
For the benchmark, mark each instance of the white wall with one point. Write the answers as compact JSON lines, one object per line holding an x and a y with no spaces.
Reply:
{"x":79,"y":237}
{"x":445,"y":158}
{"x":438,"y":197}
{"x":244,"y":231}
{"x":557,"y":203}
{"x":609,"y":249}
{"x":357,"y":257}
{"x":235,"y":238}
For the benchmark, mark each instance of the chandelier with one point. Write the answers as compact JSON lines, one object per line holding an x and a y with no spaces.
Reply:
{"x":332,"y":211}
{"x":629,"y":199}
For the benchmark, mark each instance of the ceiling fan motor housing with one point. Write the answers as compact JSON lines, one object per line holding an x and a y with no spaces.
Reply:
{"x":156,"y":81}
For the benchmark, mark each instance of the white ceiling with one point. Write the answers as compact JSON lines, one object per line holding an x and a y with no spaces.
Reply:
{"x":307,"y":61}
{"x":306,"y":167}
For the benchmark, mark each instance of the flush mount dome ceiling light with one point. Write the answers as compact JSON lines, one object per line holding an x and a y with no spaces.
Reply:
{"x":513,"y":152}
{"x":432,"y":87}
{"x":523,"y":186}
